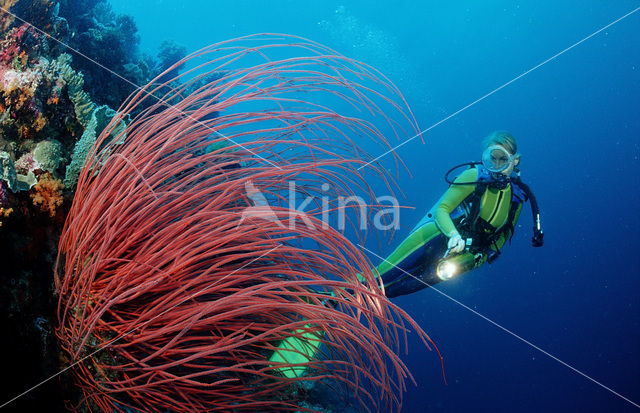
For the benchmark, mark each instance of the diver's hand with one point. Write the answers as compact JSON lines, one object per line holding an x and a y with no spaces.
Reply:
{"x":456,"y":244}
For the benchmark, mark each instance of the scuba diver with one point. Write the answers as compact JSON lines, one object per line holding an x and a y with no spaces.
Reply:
{"x":468,"y":226}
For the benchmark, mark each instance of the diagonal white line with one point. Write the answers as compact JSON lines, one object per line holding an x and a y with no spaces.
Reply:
{"x":129,"y":332}
{"x":546,"y":353}
{"x":137,"y":87}
{"x":500,"y":87}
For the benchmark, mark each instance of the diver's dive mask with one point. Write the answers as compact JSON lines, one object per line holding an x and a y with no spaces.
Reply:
{"x":497,"y":159}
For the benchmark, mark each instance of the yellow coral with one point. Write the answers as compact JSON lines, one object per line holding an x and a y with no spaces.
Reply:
{"x":47,"y":194}
{"x":4,"y":213}
{"x":24,"y":58}
{"x":39,"y":123}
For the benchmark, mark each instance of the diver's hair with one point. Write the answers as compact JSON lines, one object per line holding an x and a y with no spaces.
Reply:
{"x":502,"y":138}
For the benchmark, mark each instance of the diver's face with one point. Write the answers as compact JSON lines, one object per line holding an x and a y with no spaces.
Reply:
{"x":511,"y":166}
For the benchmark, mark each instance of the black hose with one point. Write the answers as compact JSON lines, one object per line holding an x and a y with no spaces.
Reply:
{"x":538,"y":235}
{"x":450,"y":182}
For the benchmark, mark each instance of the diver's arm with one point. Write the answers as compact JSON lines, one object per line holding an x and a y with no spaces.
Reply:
{"x":451,"y":199}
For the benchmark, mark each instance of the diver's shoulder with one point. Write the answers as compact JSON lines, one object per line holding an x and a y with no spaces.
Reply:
{"x":468,"y":175}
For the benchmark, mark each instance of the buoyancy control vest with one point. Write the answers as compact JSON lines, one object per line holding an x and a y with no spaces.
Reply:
{"x":482,"y":234}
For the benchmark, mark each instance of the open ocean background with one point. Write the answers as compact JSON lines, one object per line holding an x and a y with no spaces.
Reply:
{"x":577,"y":121}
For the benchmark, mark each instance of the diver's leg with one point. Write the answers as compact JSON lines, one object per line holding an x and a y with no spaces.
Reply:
{"x":408,"y":267}
{"x":409,"y":279}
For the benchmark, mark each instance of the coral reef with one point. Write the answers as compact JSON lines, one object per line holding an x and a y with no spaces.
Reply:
{"x":20,"y":79}
{"x":48,"y":155}
{"x":115,"y":66}
{"x":74,"y":81}
{"x":19,"y":45}
{"x":170,"y":53}
{"x":111,"y":40}
{"x":43,"y":110}
{"x":40,"y":13}
{"x":8,"y":174}
{"x":6,"y":20}
{"x":25,"y":171}
{"x":42,"y":104}
{"x":47,"y":104}
{"x":3,"y":195}
{"x":47,"y":194}
{"x":100,"y":118}
{"x":4,"y":212}
{"x":26,"y":164}
{"x":4,"y":202}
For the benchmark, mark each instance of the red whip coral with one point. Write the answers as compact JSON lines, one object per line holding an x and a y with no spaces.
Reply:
{"x":47,"y":194}
{"x":171,"y":298}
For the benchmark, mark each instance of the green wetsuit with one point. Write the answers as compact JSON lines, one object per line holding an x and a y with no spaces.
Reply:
{"x":418,"y":255}
{"x":412,"y":265}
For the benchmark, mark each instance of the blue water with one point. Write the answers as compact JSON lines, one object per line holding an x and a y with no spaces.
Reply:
{"x":578,"y":125}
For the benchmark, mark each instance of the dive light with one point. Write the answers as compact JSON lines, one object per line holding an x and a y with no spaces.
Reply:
{"x":450,"y":267}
